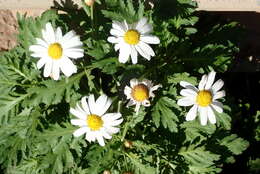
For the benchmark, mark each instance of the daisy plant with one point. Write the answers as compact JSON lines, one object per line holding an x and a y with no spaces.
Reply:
{"x":139,"y":93}
{"x":131,"y":39}
{"x":56,"y":125}
{"x":55,"y":51}
{"x":93,"y":119}
{"x":204,"y":98}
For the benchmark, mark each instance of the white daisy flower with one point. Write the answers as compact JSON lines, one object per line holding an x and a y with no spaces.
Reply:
{"x":93,"y":119}
{"x":140,"y":92}
{"x":204,"y":99}
{"x":131,"y":39}
{"x":54,"y":51}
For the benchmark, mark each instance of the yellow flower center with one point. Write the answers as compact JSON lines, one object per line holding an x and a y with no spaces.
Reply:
{"x":94,"y":122}
{"x":140,"y":92}
{"x":204,"y":98}
{"x":132,"y":37}
{"x":55,"y":51}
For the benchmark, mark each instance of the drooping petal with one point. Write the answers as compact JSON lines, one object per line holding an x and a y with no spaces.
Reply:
{"x":133,"y":82}
{"x":127,"y":92}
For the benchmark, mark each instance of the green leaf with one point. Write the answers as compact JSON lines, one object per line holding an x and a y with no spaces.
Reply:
{"x":234,"y":144}
{"x":162,"y":113}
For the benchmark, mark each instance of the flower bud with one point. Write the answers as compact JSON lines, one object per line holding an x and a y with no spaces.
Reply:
{"x":128,"y":144}
{"x":106,"y":172}
{"x":89,"y":2}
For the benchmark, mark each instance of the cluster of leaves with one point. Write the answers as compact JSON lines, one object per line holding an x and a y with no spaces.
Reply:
{"x":35,"y":129}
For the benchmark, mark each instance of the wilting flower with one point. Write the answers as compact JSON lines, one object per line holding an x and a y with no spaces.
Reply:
{"x":204,"y":99}
{"x":140,"y":92}
{"x":93,"y":119}
{"x":131,"y":39}
{"x":54,"y":51}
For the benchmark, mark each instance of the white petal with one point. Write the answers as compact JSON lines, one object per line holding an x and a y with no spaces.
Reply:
{"x":118,"y":26}
{"x":192,"y":113}
{"x":78,"y":113}
{"x":203,"y":115}
{"x":146,"y":48}
{"x":37,"y":49}
{"x":68,"y":36}
{"x":47,"y":69}
{"x":127,"y":92}
{"x":58,"y":34}
{"x":117,"y":33}
{"x":146,"y":103}
{"x":72,"y":43}
{"x":210,"y":80}
{"x":78,"y":122}
{"x":133,"y":55}
{"x":188,"y":86}
{"x":117,"y":47}
{"x":219,"y":94}
{"x":112,"y":130}
{"x":41,"y":62}
{"x":131,"y":103}
{"x":112,"y":39}
{"x":142,"y":52}
{"x":217,"y":106}
{"x":211,"y":116}
{"x":124,"y":53}
{"x":148,"y":28}
{"x":42,"y":42}
{"x":150,"y":39}
{"x":137,"y":107}
{"x":185,"y":101}
{"x":80,"y":131}
{"x":49,"y":30}
{"x":154,"y":88}
{"x":188,"y":93}
{"x":84,"y":105}
{"x":55,"y":70}
{"x":102,"y":105}
{"x":203,"y":82}
{"x":141,"y":23}
{"x":89,"y":137}
{"x":74,"y":53}
{"x":100,"y":140}
{"x":92,"y":104}
{"x":217,"y":85}
{"x":67,"y":67}
{"x":105,"y":134}
{"x":111,"y":116}
{"x":133,"y":82}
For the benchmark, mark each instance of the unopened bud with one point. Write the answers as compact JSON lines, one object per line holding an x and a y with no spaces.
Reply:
{"x":128,"y":144}
{"x":106,"y":172}
{"x":89,"y":2}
